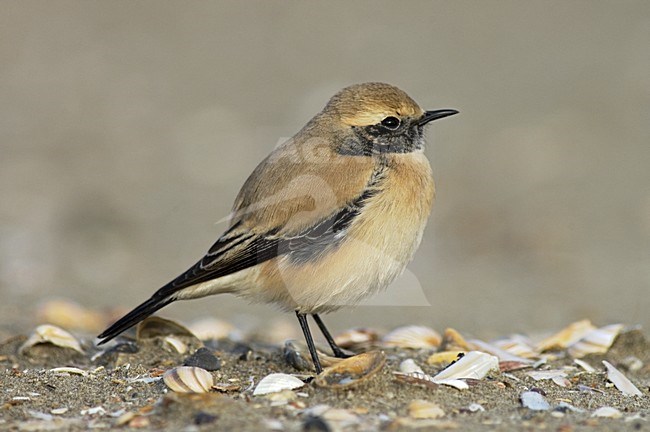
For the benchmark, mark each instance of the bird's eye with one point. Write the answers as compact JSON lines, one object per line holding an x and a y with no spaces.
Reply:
{"x":390,"y":122}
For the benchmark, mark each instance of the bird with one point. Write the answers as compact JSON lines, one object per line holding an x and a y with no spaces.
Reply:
{"x":331,"y":216}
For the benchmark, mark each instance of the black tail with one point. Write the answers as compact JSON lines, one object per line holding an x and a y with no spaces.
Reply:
{"x":135,"y":316}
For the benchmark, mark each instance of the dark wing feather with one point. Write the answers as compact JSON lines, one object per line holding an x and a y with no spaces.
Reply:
{"x":236,"y":251}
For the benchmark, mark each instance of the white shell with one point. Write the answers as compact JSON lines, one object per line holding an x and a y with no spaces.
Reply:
{"x":423,"y":409}
{"x":357,"y":338}
{"x":277,"y":382}
{"x":409,"y":366}
{"x":178,"y":345}
{"x":534,"y":401}
{"x":620,"y":381}
{"x":412,"y":337}
{"x":188,"y":379}
{"x":68,"y":371}
{"x":597,"y":341}
{"x":48,"y":333}
{"x":474,"y":364}
{"x":586,"y":366}
{"x":546,"y":374}
{"x":502,"y":354}
{"x":517,"y":345}
{"x":608,"y":412}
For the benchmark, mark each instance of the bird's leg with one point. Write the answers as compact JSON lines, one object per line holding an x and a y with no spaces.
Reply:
{"x":302,"y":319}
{"x":338,"y":352}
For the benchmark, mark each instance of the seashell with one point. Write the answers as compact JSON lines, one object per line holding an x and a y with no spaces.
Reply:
{"x":226,"y":387}
{"x":621,"y":381}
{"x":59,"y":411}
{"x":155,"y":326}
{"x":518,"y":346}
{"x":69,"y":371}
{"x":456,"y":383}
{"x":416,"y":378}
{"x":509,"y":366}
{"x":546,"y":374}
{"x":586,"y":366}
{"x":98,"y":410}
{"x":351,"y":371}
{"x":566,"y":337}
{"x":277,"y":382}
{"x":125,"y":418}
{"x":452,"y":340}
{"x":281,"y":398}
{"x":178,"y":345}
{"x":444,"y":358}
{"x":357,"y":339}
{"x":69,"y":314}
{"x":501,"y":354}
{"x":297,"y":355}
{"x":409,"y":366}
{"x":422,"y":409}
{"x":597,"y":341}
{"x":534,"y":401}
{"x":474,"y":365}
{"x":48,"y":333}
{"x":475,"y":407}
{"x":341,"y":419}
{"x":412,"y":337}
{"x":214,"y":329}
{"x":561,"y":381}
{"x":607,"y":412}
{"x":188,"y":379}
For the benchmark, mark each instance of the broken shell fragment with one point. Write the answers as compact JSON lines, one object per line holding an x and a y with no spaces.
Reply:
{"x":422,"y":409}
{"x":178,"y":345}
{"x":607,"y":412}
{"x":597,"y":341}
{"x":409,"y":366}
{"x":187,"y":379}
{"x":452,"y":340}
{"x":351,"y":371}
{"x":474,"y":365}
{"x":415,"y":337}
{"x":54,"y":335}
{"x":357,"y":339}
{"x":566,"y":337}
{"x":277,"y":382}
{"x":621,"y":381}
{"x":496,"y":351}
{"x":534,"y":401}
{"x":586,"y":366}
{"x":444,"y":358}
{"x":517,"y":345}
{"x":416,"y":378}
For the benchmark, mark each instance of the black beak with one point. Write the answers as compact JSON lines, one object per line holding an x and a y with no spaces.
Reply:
{"x":434,"y":115}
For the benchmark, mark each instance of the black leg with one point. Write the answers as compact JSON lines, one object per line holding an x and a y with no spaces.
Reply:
{"x":302,"y":319}
{"x":338,"y":352}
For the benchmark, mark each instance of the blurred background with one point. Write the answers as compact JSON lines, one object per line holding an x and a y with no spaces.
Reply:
{"x":127,"y":128}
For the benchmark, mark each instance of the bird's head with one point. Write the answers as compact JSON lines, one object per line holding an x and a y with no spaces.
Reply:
{"x":379,"y":118}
